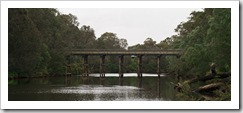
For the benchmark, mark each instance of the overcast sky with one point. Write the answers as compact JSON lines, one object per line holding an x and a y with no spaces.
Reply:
{"x":135,"y":25}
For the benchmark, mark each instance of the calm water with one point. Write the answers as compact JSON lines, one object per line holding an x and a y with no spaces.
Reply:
{"x":93,"y":88}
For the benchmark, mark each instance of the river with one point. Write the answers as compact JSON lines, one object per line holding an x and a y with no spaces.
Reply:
{"x":93,"y":88}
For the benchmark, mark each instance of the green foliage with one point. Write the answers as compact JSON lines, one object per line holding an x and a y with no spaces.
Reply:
{"x":219,"y":38}
{"x":132,"y":66}
{"x":12,"y":75}
{"x":224,"y":94}
{"x":109,"y":40}
{"x":12,"y":82}
{"x":39,"y":40}
{"x":205,"y":38}
{"x":186,"y":94}
{"x":24,"y":43}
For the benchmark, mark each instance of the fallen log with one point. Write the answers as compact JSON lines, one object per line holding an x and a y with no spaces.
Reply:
{"x":204,"y":78}
{"x":207,"y":77}
{"x":209,"y":87}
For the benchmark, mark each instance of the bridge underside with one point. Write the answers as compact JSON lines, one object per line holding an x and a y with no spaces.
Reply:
{"x":121,"y":53}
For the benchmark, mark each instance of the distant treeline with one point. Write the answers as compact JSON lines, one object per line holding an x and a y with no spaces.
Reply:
{"x":39,"y":40}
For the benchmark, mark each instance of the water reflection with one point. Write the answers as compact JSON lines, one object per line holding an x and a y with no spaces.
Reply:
{"x":158,"y":88}
{"x":102,"y":81}
{"x":120,"y":81}
{"x":92,"y":88}
{"x":67,"y":80}
{"x":140,"y":82}
{"x":85,"y":80}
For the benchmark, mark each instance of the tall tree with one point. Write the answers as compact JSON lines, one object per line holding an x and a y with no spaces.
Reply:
{"x":205,"y":38}
{"x":110,"y":40}
{"x":25,"y":44}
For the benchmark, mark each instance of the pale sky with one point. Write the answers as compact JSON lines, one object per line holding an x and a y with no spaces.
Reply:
{"x":135,"y":25}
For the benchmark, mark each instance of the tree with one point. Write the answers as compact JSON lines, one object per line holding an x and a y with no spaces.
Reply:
{"x":123,"y":43}
{"x":87,"y":37}
{"x":39,"y":39}
{"x":205,"y":38}
{"x":219,"y":38}
{"x":25,"y":46}
{"x":110,"y":40}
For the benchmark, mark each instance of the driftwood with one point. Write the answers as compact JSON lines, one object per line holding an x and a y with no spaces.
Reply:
{"x":209,"y":87}
{"x":206,"y":88}
{"x":177,"y":87}
{"x":207,"y":77}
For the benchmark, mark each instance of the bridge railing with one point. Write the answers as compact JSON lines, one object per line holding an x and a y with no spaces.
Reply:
{"x":122,"y":50}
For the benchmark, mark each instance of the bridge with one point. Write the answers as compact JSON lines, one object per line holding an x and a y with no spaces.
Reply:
{"x":126,"y":52}
{"x":121,"y":53}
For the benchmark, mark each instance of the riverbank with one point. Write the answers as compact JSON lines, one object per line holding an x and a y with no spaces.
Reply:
{"x":210,"y":87}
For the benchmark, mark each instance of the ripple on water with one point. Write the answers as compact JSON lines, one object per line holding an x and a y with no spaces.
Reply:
{"x":92,"y":89}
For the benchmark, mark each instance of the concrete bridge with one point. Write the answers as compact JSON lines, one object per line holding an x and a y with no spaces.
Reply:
{"x":121,"y":53}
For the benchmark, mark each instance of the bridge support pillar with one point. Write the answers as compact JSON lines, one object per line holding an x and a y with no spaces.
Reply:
{"x":102,"y":66}
{"x":121,"y":59}
{"x":139,"y":66}
{"x":158,"y":66}
{"x":68,"y":67}
{"x":86,"y":65}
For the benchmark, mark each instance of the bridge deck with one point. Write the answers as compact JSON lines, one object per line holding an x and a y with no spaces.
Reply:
{"x":126,"y":52}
